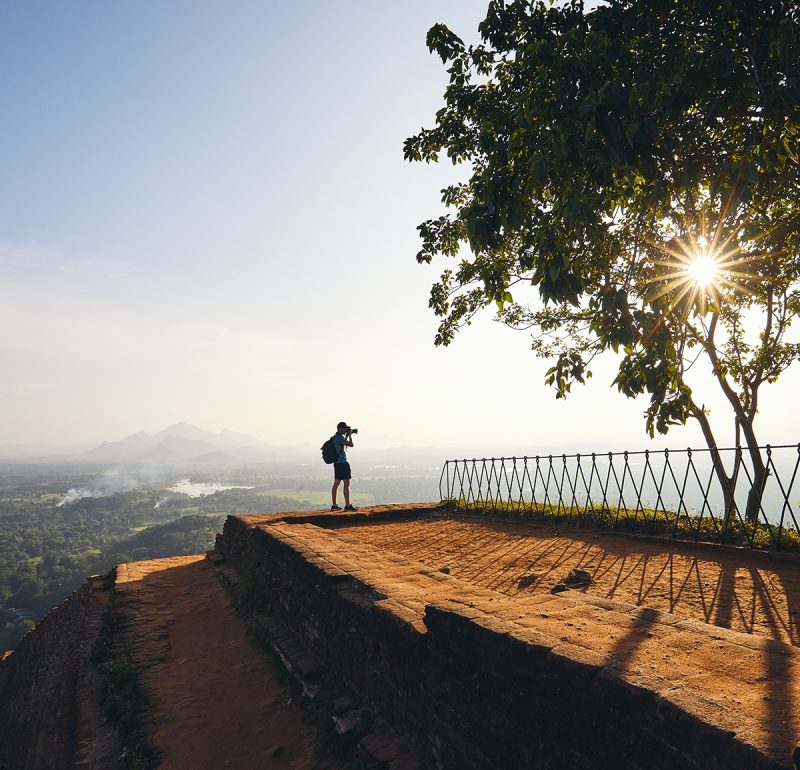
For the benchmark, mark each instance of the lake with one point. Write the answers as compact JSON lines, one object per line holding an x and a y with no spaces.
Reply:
{"x":196,"y":489}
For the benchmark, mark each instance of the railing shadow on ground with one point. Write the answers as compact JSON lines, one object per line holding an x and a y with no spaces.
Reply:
{"x":739,"y":589}
{"x":673,"y":493}
{"x":722,"y":589}
{"x":742,"y":589}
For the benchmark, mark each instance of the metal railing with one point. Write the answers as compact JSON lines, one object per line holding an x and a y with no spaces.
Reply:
{"x":674,"y":493}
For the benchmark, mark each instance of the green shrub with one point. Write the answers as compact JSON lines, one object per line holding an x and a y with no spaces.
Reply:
{"x":643,"y":521}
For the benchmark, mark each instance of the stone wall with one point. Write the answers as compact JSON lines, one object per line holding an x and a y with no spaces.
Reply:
{"x":38,"y":689}
{"x":531,"y":705}
{"x":465,"y":690}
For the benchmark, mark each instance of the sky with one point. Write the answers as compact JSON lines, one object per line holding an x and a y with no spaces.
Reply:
{"x":206,"y":217}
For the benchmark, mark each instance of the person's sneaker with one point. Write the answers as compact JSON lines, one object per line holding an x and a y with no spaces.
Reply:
{"x":350,"y":508}
{"x":335,"y":508}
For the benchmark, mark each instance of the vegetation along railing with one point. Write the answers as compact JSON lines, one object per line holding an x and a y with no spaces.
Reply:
{"x":699,"y":494}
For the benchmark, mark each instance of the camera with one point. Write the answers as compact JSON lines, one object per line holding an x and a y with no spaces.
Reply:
{"x":352,"y":430}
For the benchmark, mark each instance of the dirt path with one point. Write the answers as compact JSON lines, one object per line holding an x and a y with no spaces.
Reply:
{"x":216,"y":703}
{"x":743,"y":591}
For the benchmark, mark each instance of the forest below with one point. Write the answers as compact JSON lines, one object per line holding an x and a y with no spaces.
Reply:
{"x":50,"y":542}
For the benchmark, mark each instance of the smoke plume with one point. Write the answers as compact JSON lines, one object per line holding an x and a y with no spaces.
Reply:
{"x":111,"y":482}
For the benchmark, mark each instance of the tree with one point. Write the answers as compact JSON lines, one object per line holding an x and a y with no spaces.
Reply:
{"x":17,"y":633}
{"x":633,"y":187}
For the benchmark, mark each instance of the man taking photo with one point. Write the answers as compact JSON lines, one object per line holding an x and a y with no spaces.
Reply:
{"x":342,"y":439}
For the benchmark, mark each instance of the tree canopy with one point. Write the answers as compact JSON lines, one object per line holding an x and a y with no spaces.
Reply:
{"x":607,"y":150}
{"x":637,"y":166}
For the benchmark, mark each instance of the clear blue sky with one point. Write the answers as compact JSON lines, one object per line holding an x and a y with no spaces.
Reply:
{"x":206,"y":217}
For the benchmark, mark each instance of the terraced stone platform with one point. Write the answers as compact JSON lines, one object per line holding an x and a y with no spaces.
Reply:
{"x":447,"y":627}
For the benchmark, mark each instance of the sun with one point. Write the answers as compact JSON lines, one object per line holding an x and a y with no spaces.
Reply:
{"x":696,"y":272}
{"x":703,"y":270}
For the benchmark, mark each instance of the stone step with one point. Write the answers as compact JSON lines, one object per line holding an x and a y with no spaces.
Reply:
{"x":215,"y":557}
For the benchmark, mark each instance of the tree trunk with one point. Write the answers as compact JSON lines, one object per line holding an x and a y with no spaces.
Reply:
{"x":754,"y":496}
{"x":760,"y":474}
{"x":744,"y":420}
{"x":727,"y":483}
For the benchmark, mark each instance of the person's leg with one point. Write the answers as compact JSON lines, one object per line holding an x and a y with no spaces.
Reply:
{"x":334,"y":490}
{"x":347,"y":491}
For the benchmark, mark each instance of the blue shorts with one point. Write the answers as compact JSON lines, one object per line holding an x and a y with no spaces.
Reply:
{"x":341,"y":471}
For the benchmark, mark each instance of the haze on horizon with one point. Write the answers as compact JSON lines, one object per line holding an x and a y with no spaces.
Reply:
{"x":207,"y":218}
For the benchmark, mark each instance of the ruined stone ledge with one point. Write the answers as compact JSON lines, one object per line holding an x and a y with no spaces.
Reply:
{"x":477,"y":679}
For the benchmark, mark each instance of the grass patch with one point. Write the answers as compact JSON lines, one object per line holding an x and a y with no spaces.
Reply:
{"x":122,"y":697}
{"x":646,"y":521}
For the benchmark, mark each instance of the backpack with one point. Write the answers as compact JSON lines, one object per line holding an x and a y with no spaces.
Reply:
{"x":329,"y":451}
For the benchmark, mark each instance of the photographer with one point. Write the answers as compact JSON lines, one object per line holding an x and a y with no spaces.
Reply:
{"x":341,"y":468}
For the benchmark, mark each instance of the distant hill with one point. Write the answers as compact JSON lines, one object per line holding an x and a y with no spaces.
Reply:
{"x":177,"y":448}
{"x":214,"y":458}
{"x":226,"y":439}
{"x":112,"y":452}
{"x":182,"y":442}
{"x":185,"y":444}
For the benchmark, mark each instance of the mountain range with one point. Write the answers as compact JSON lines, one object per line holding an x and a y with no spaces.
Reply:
{"x":183,"y":442}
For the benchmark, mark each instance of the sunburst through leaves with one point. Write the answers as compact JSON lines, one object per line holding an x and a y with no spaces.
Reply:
{"x":697,"y":271}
